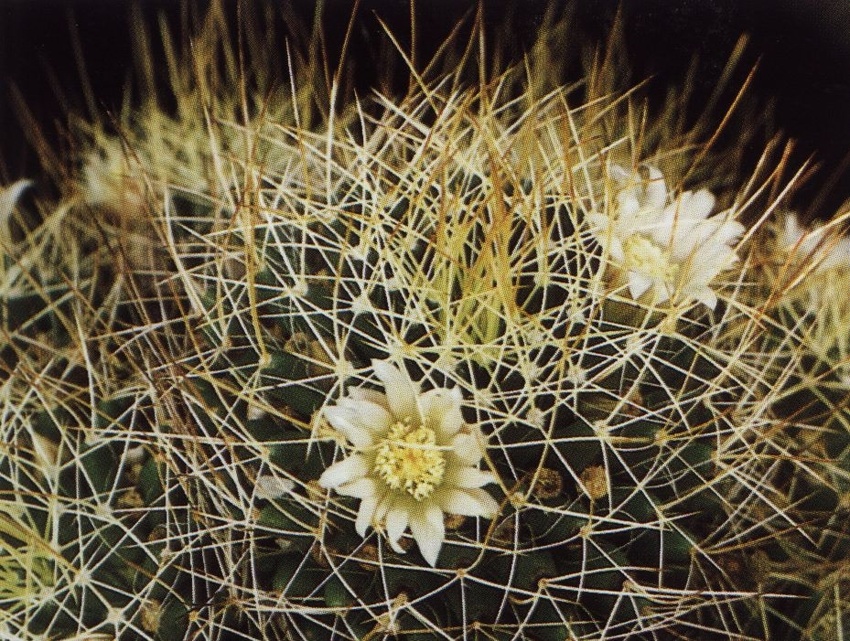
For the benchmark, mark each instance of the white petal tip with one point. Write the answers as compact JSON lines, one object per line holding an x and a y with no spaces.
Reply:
{"x":430,"y":553}
{"x":344,"y":471}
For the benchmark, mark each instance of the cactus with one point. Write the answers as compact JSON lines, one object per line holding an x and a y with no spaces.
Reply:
{"x":809,"y":337}
{"x":482,"y":360}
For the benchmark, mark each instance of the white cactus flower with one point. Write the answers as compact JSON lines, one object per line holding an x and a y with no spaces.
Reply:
{"x":412,"y":460}
{"x":820,"y":262}
{"x":814,"y":244}
{"x":672,"y":249}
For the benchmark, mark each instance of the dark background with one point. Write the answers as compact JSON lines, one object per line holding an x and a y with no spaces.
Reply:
{"x":803,"y":49}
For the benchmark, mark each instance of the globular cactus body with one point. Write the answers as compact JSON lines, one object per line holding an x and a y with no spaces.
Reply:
{"x":479,"y":361}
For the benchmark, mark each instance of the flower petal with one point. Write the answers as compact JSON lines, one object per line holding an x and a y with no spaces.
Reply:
{"x":707,"y":297}
{"x":656,"y":189}
{"x":9,"y":197}
{"x":397,"y":519}
{"x":628,"y":204}
{"x":400,"y":390}
{"x":466,"y":448}
{"x":661,"y":292}
{"x":691,"y":237}
{"x":599,"y":223}
{"x":349,"y":423}
{"x":729,"y":232}
{"x":697,"y":205}
{"x":707,"y":235}
{"x":365,"y":514}
{"x":456,"y":501}
{"x":441,"y":412}
{"x":620,"y":174}
{"x":348,"y":469}
{"x":705,"y":263}
{"x":838,"y":254}
{"x":616,"y":250}
{"x":489,"y":505}
{"x":792,"y":231}
{"x":677,"y":221}
{"x":638,"y":284}
{"x":374,"y":417}
{"x":384,"y":506}
{"x":467,"y":477}
{"x":360,"y":488}
{"x":426,"y":525}
{"x":370,"y":395}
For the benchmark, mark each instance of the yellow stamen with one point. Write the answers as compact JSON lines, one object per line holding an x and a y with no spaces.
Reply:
{"x":409,"y":460}
{"x":644,"y":256}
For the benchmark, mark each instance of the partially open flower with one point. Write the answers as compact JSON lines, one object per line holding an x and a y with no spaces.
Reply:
{"x":817,"y":262}
{"x":826,"y":251}
{"x":671,"y":250}
{"x":412,"y":460}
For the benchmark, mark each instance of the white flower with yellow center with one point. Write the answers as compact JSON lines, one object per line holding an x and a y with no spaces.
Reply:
{"x":673,"y":250}
{"x":412,"y":460}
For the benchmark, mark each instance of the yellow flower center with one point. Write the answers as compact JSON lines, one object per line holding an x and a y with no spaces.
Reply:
{"x":644,"y":256}
{"x":408,"y":459}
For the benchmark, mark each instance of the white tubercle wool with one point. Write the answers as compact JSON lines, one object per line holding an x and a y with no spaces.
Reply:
{"x":272,"y":487}
{"x":411,"y":460}
{"x":669,"y":247}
